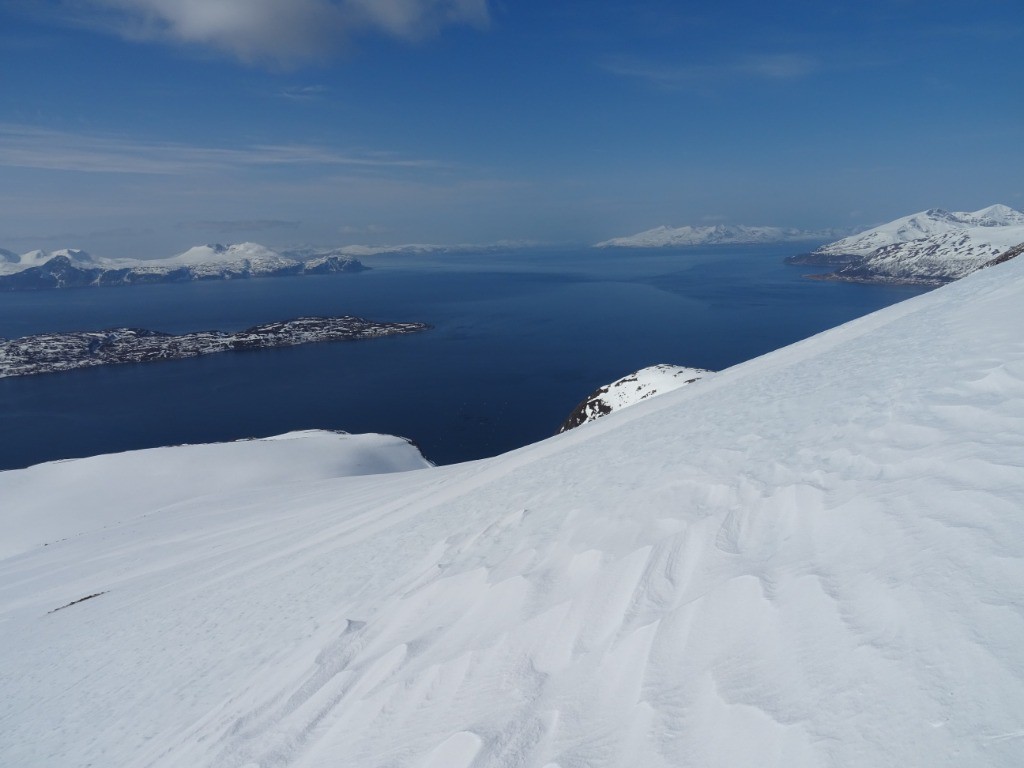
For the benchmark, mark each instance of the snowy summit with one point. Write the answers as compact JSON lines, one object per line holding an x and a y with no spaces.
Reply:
{"x":811,"y":559}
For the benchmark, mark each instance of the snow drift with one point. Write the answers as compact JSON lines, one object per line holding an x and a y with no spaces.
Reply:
{"x":814,"y":558}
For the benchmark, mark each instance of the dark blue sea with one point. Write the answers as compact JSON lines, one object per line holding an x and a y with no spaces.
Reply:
{"x":519,"y":339}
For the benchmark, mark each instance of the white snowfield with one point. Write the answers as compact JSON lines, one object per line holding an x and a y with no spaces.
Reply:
{"x":812,"y":559}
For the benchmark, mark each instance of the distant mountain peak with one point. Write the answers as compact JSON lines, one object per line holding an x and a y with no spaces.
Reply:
{"x":713,"y":234}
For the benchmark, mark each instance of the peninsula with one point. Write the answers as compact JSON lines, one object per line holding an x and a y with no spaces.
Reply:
{"x":54,"y":352}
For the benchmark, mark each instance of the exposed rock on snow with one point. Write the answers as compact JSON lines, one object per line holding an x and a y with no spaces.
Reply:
{"x":631,"y":389}
{"x":54,"y":352}
{"x":811,"y":559}
{"x":718,"y":234}
{"x":69,"y":268}
{"x":928,"y":248}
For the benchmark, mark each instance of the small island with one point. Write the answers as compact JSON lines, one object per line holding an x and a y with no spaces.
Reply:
{"x":55,"y":352}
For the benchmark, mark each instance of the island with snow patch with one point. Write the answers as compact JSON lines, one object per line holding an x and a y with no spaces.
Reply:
{"x":55,"y":352}
{"x":74,"y":268}
{"x":927,"y":248}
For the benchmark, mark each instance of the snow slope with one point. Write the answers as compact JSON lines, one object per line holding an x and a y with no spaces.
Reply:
{"x":630,"y":390}
{"x":718,"y":234}
{"x":811,"y":559}
{"x":44,"y":503}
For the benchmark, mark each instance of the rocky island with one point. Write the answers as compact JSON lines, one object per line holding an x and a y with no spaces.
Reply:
{"x":54,"y":352}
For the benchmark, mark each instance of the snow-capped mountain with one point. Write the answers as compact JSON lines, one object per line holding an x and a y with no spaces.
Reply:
{"x":931,"y":247}
{"x":68,"y":268}
{"x":814,"y":558}
{"x":630,"y":390}
{"x":718,"y":234}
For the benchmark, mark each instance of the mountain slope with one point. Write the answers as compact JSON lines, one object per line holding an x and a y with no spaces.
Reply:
{"x":931,"y":247}
{"x":813,"y":558}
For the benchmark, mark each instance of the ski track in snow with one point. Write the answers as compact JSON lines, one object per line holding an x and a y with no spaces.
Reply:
{"x":812,"y":559}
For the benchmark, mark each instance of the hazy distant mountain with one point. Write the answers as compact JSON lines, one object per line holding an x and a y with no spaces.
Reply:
{"x":71,"y":268}
{"x":718,"y":234}
{"x":930,"y":247}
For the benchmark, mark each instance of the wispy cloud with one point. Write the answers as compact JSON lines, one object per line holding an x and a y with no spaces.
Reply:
{"x":281,"y":31}
{"x":303,"y":92}
{"x":240,"y":225}
{"x":29,"y":147}
{"x":779,"y":67}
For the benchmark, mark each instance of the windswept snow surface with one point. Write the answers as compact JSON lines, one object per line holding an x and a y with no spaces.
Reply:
{"x":815,"y":558}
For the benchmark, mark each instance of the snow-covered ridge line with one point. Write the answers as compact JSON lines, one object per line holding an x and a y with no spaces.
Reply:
{"x":630,"y":390}
{"x":718,"y":234}
{"x":71,"y":268}
{"x":810,"y":559}
{"x":929,"y":248}
{"x":55,"y":352}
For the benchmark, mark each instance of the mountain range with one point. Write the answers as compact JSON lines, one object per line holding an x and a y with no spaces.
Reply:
{"x":73,"y":268}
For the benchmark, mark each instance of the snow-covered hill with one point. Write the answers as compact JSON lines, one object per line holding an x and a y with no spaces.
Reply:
{"x":718,"y":234}
{"x":68,"y":268}
{"x":811,"y":559}
{"x":630,"y":390}
{"x":931,"y":247}
{"x":44,"y":504}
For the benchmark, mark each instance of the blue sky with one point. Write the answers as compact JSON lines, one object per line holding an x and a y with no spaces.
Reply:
{"x":141,"y":127}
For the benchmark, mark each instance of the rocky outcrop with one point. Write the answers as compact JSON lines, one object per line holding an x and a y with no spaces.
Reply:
{"x":631,"y":389}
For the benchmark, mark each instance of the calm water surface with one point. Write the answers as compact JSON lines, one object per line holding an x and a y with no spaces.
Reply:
{"x":519,"y":339}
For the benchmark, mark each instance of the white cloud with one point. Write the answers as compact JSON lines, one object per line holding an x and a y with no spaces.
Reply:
{"x":274,"y":30}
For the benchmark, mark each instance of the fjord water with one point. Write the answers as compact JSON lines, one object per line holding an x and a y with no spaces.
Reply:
{"x":519,"y":338}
